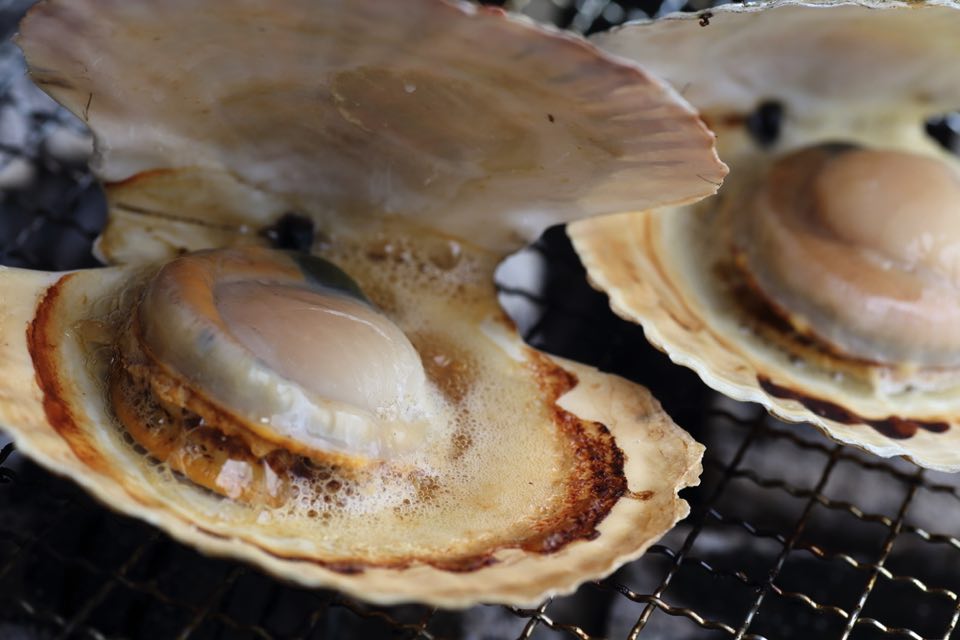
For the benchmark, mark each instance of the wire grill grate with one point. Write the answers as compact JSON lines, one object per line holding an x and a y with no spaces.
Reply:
{"x":790,"y":535}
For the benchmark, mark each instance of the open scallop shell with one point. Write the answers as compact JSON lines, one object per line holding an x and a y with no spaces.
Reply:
{"x":866,"y":73}
{"x":360,"y":110}
{"x":451,"y":551}
{"x":421,"y":164}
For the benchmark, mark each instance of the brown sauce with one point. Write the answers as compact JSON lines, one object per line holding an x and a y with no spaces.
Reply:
{"x":772,"y":323}
{"x":597,"y":481}
{"x":892,"y":426}
{"x":42,"y":343}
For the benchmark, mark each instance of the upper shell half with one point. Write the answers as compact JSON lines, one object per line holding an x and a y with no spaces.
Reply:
{"x":347,"y":111}
{"x":822,"y":280}
{"x":364,"y":417}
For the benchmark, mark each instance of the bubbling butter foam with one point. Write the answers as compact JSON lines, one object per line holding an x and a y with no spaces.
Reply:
{"x":461,"y":493}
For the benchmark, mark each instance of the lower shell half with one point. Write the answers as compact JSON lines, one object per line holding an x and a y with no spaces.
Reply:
{"x":675,"y":271}
{"x":542,"y":475}
{"x":822,"y":280}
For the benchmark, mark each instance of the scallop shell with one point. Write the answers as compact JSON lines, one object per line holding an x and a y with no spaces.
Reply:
{"x":421,"y":165}
{"x":866,"y":73}
{"x":361,"y":107}
{"x":450,"y":552}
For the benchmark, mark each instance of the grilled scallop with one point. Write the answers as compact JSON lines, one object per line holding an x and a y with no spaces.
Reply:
{"x":822,"y":280}
{"x":359,"y":415}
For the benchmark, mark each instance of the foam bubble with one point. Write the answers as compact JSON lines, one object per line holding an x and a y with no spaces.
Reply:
{"x":465,"y":490}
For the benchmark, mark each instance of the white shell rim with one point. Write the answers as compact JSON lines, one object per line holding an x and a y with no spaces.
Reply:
{"x":638,"y":295}
{"x":658,"y":455}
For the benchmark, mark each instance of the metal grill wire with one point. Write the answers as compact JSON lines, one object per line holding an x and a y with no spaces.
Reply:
{"x":790,"y":535}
